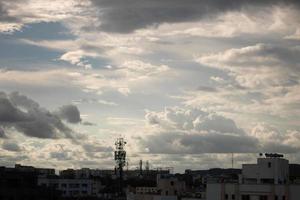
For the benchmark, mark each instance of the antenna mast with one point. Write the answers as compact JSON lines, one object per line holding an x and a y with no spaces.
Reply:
{"x":120,"y":158}
{"x":232,"y":160}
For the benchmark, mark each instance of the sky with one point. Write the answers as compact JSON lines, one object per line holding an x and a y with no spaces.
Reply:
{"x":186,"y":83}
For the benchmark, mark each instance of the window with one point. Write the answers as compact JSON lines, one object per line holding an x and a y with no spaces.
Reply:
{"x":172,"y":183}
{"x":245,"y":197}
{"x":167,"y":193}
{"x":232,"y":196}
{"x":276,"y":197}
{"x":283,"y":197}
{"x":226,"y":196}
{"x":269,"y":164}
{"x":263,"y":197}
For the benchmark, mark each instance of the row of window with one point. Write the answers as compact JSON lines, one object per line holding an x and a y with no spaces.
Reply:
{"x":70,"y":185}
{"x":247,"y":197}
{"x":263,"y":197}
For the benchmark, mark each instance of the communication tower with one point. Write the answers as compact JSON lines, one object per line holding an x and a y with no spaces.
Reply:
{"x":120,"y":158}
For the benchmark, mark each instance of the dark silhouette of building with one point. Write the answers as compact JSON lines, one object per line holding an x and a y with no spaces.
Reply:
{"x":16,"y":184}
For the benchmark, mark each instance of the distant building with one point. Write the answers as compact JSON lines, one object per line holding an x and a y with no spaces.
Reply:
{"x":20,"y":183}
{"x":168,"y":187}
{"x":38,"y":171}
{"x":73,"y":187}
{"x":268,"y":179}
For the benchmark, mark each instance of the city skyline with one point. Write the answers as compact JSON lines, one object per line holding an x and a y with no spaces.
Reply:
{"x":186,"y":83}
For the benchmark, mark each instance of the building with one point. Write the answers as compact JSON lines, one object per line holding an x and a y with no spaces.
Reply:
{"x":82,"y":187}
{"x":38,"y":171}
{"x":168,"y":187}
{"x":21,"y":184}
{"x":268,"y":179}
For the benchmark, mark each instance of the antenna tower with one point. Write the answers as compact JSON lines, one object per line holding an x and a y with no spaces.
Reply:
{"x":120,"y":158}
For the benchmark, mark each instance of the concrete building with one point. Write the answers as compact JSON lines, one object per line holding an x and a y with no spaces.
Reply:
{"x":73,"y":187}
{"x":169,"y":185}
{"x":268,"y":179}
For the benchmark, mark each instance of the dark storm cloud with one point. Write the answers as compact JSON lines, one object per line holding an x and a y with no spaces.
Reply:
{"x":26,"y":116}
{"x":70,"y":113}
{"x":129,"y":15}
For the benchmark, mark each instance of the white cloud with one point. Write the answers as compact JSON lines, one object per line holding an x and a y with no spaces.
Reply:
{"x":76,"y":58}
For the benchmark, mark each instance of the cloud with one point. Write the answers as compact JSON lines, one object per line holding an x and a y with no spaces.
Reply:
{"x":186,"y":131}
{"x":193,"y":120}
{"x":261,"y":78}
{"x":120,"y":16}
{"x":92,"y":148}
{"x":11,"y":146}
{"x":88,"y":123}
{"x":61,"y":156}
{"x":15,"y":14}
{"x":2,"y":133}
{"x":195,"y":143}
{"x":70,"y":113}
{"x":137,"y":69}
{"x":191,"y":131}
{"x":294,"y":36}
{"x":76,"y":58}
{"x":257,"y":56}
{"x":273,"y":140}
{"x":26,"y":116}
{"x":123,"y":78}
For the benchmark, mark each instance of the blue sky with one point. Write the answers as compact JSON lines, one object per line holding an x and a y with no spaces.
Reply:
{"x":186,"y":84}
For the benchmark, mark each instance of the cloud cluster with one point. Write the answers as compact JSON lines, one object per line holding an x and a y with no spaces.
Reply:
{"x":191,"y":131}
{"x":259,"y":65}
{"x":183,"y":130}
{"x":26,"y":116}
{"x":265,"y":79}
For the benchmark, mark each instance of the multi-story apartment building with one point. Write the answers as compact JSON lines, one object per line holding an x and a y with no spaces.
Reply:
{"x":268,"y":179}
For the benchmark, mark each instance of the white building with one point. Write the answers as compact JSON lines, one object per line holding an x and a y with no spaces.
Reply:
{"x":268,"y":179}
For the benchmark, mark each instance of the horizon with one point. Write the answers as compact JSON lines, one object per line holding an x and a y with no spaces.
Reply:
{"x":185,"y":83}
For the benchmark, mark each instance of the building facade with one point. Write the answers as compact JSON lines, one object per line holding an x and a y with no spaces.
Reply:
{"x":73,"y":187}
{"x":268,"y":179}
